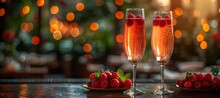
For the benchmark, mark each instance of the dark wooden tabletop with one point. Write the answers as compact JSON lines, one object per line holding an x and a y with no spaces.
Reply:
{"x":12,"y":88}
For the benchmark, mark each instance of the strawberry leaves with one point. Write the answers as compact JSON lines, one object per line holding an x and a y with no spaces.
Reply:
{"x":98,"y":73}
{"x":123,"y":76}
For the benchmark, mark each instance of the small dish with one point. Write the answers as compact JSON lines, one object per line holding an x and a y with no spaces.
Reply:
{"x":104,"y":89}
{"x":197,"y":90}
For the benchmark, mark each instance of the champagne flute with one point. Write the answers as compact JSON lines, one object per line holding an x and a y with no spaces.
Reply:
{"x":134,"y":42}
{"x":162,"y":43}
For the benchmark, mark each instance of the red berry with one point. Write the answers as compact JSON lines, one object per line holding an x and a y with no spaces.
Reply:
{"x":109,"y":75}
{"x":208,"y":77}
{"x":216,"y":79}
{"x":162,"y":23}
{"x":205,"y":84}
{"x":178,"y":82}
{"x":114,"y":83}
{"x":140,"y":20}
{"x":121,"y":83}
{"x":168,"y":19}
{"x":167,"y":16}
{"x":213,"y":84}
{"x":96,"y":84}
{"x":115,"y":75}
{"x":130,"y":19}
{"x":158,"y":17}
{"x":92,"y":76}
{"x":182,"y":82}
{"x":188,"y":84}
{"x":192,"y":78}
{"x":127,"y":83}
{"x":156,"y":20}
{"x":200,"y":77}
{"x":197,"y":85}
{"x":103,"y":77}
{"x":104,"y":84}
{"x":89,"y":84}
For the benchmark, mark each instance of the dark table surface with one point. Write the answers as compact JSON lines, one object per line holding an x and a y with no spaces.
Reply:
{"x":72,"y":88}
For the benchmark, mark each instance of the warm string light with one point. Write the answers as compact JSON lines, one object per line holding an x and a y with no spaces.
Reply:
{"x":178,"y":12}
{"x":178,"y":34}
{"x":35,"y":40}
{"x":80,"y":6}
{"x":119,"y":38}
{"x":94,"y":26}
{"x":2,"y":12}
{"x":119,"y":2}
{"x":54,"y":10}
{"x":3,"y":1}
{"x":26,"y":26}
{"x":87,"y":47}
{"x":40,"y":3}
{"x":70,"y":16}
{"x":196,"y":13}
{"x":25,"y":10}
{"x":174,"y":21}
{"x":206,"y":27}
{"x":200,"y":37}
{"x":74,"y":32}
{"x":119,"y":15}
{"x":57,"y":35}
{"x":203,"y":45}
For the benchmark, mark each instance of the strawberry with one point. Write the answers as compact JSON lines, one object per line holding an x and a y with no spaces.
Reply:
{"x":168,"y":19}
{"x":103,"y":77}
{"x":109,"y":75}
{"x":213,"y":84}
{"x":121,"y":83}
{"x":208,"y":77}
{"x":205,"y":84}
{"x":129,"y":21}
{"x":192,"y":78}
{"x":156,"y":20}
{"x":200,"y":77}
{"x":188,"y":84}
{"x":162,"y":23}
{"x":114,"y":83}
{"x":92,"y":76}
{"x":89,"y":84}
{"x":140,"y":20}
{"x":115,"y":75}
{"x":178,"y":82}
{"x":167,"y":16}
{"x":197,"y":85}
{"x":96,"y":84}
{"x":182,"y":82}
{"x":105,"y":84}
{"x":127,"y":83}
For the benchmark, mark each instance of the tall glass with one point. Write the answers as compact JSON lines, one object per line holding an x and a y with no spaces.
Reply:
{"x":134,"y":42}
{"x":162,"y":43}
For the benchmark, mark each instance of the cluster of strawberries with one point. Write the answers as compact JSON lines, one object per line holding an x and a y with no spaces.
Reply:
{"x":200,"y":81}
{"x":106,"y":79}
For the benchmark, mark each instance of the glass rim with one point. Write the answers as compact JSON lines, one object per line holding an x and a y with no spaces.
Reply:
{"x":162,"y":12}
{"x":135,"y":9}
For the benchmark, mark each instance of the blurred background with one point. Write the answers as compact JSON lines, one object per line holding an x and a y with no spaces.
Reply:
{"x":73,"y":38}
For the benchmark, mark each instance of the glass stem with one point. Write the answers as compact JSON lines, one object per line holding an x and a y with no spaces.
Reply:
{"x":134,"y":78}
{"x":162,"y":75}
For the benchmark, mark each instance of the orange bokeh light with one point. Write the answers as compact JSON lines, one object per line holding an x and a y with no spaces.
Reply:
{"x":88,"y":56}
{"x":25,"y":10}
{"x":35,"y":40}
{"x":3,"y":1}
{"x":174,"y":22}
{"x":200,"y":37}
{"x":57,"y":35}
{"x":203,"y":21}
{"x":40,"y":3}
{"x":74,"y":32}
{"x":2,"y":12}
{"x":203,"y":45}
{"x":119,"y":2}
{"x":54,"y":10}
{"x":178,"y":34}
{"x":70,"y":16}
{"x":206,"y":27}
{"x":87,"y":47}
{"x":94,"y":26}
{"x":80,"y":6}
{"x":119,"y":38}
{"x":119,"y":15}
{"x":26,"y":27}
{"x":178,"y":11}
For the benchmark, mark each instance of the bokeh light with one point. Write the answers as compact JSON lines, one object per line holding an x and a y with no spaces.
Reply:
{"x":25,"y":10}
{"x":57,"y":35}
{"x":80,"y":6}
{"x":178,"y":34}
{"x":54,"y":10}
{"x":2,"y":12}
{"x":40,"y":3}
{"x":3,"y":1}
{"x":196,"y":13}
{"x":203,"y":21}
{"x":88,"y":56}
{"x":53,"y":20}
{"x":200,"y":37}
{"x":119,"y":38}
{"x":206,"y":27}
{"x":119,"y":2}
{"x":178,"y":11}
{"x":26,"y":27}
{"x":35,"y":40}
{"x":119,"y":15}
{"x":70,"y":16}
{"x":87,"y":47}
{"x":174,"y":21}
{"x":94,"y":26}
{"x":203,"y":45}
{"x":74,"y":32}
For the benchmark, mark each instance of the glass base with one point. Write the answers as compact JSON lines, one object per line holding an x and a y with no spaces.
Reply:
{"x":162,"y":92}
{"x":133,"y":92}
